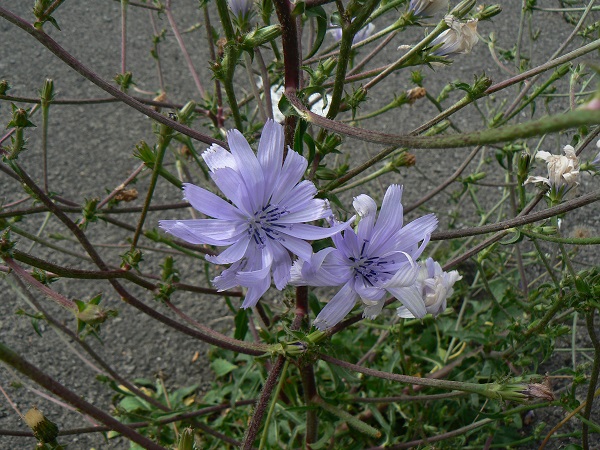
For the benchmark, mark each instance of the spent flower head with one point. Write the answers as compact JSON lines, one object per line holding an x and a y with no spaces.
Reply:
{"x":361,"y":35}
{"x":264,"y":222}
{"x":423,"y":8}
{"x":563,"y":172}
{"x":435,"y":286}
{"x":371,"y":262}
{"x":458,"y":39}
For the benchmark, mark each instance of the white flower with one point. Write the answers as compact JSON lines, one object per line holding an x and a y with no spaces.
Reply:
{"x":427,"y":7}
{"x":460,"y":38}
{"x":318,"y":106}
{"x":436,"y":287}
{"x":563,"y":171}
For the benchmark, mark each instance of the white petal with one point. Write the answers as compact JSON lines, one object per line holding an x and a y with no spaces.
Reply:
{"x":367,"y":210}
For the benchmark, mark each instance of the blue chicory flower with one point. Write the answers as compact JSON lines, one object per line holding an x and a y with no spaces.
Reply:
{"x":376,"y":259}
{"x":265,"y":221}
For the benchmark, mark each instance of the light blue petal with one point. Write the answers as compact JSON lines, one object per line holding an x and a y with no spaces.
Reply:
{"x":232,"y":185}
{"x":390,"y":216}
{"x":367,"y":291}
{"x":311,"y":232}
{"x":208,"y":203}
{"x":256,"y":292}
{"x":254,"y":278}
{"x":214,"y":229}
{"x":411,"y":298}
{"x":234,"y":253}
{"x":298,"y":247}
{"x":249,"y":168}
{"x":216,"y":157}
{"x":314,"y":209}
{"x":337,"y":308}
{"x":227,"y":278}
{"x":298,"y":197}
{"x":270,"y":155}
{"x":406,"y":275}
{"x":180,"y":229}
{"x":406,"y":238}
{"x":404,"y":313}
{"x":327,"y":267}
{"x":282,"y":265}
{"x":293,"y":168}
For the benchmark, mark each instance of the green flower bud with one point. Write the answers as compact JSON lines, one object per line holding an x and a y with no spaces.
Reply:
{"x":47,"y":92}
{"x":260,"y":36}
{"x":186,"y":440}
{"x":20,"y":118}
{"x":523,"y":165}
{"x":487,"y":12}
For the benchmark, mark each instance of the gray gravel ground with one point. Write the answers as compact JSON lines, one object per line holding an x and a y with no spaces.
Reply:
{"x":91,"y":146}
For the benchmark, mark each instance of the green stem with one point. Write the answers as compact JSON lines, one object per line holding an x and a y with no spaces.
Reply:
{"x":17,"y":362}
{"x":589,"y":319}
{"x":352,"y":421}
{"x":490,"y":390}
{"x":163,"y":142}
{"x":573,"y":241}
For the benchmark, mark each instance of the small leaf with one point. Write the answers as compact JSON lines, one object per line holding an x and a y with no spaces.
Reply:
{"x":222,"y":367}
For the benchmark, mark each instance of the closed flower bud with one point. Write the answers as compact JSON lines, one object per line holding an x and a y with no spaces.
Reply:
{"x":20,"y":118}
{"x":260,"y":36}
{"x":487,"y":12}
{"x":47,"y":92}
{"x":186,"y":440}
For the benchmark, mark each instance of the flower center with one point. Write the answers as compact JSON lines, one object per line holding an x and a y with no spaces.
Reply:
{"x":373,"y":269}
{"x":263,"y":225}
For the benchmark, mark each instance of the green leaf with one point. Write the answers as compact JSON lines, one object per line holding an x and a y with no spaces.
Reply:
{"x":321,"y":18}
{"x":241,"y":324}
{"x":222,"y":367}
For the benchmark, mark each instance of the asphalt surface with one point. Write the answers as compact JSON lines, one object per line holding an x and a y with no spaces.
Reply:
{"x":90,"y":151}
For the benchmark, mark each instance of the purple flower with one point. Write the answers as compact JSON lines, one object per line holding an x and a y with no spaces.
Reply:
{"x":371,"y":262}
{"x":435,"y":287}
{"x":265,"y":221}
{"x":240,"y":8}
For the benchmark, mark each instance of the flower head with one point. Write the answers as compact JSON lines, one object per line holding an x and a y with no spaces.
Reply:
{"x":376,"y":259}
{"x":361,"y":35}
{"x":435,"y":285}
{"x":265,"y":220}
{"x":563,"y":171}
{"x":459,"y":38}
{"x":427,"y":7}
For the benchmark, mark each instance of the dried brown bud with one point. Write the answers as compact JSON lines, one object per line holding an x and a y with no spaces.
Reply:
{"x":43,"y":429}
{"x":185,"y":151}
{"x":127,"y":195}
{"x":221,"y":47}
{"x":415,"y":94}
{"x":540,"y":390}
{"x":159,"y":98}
